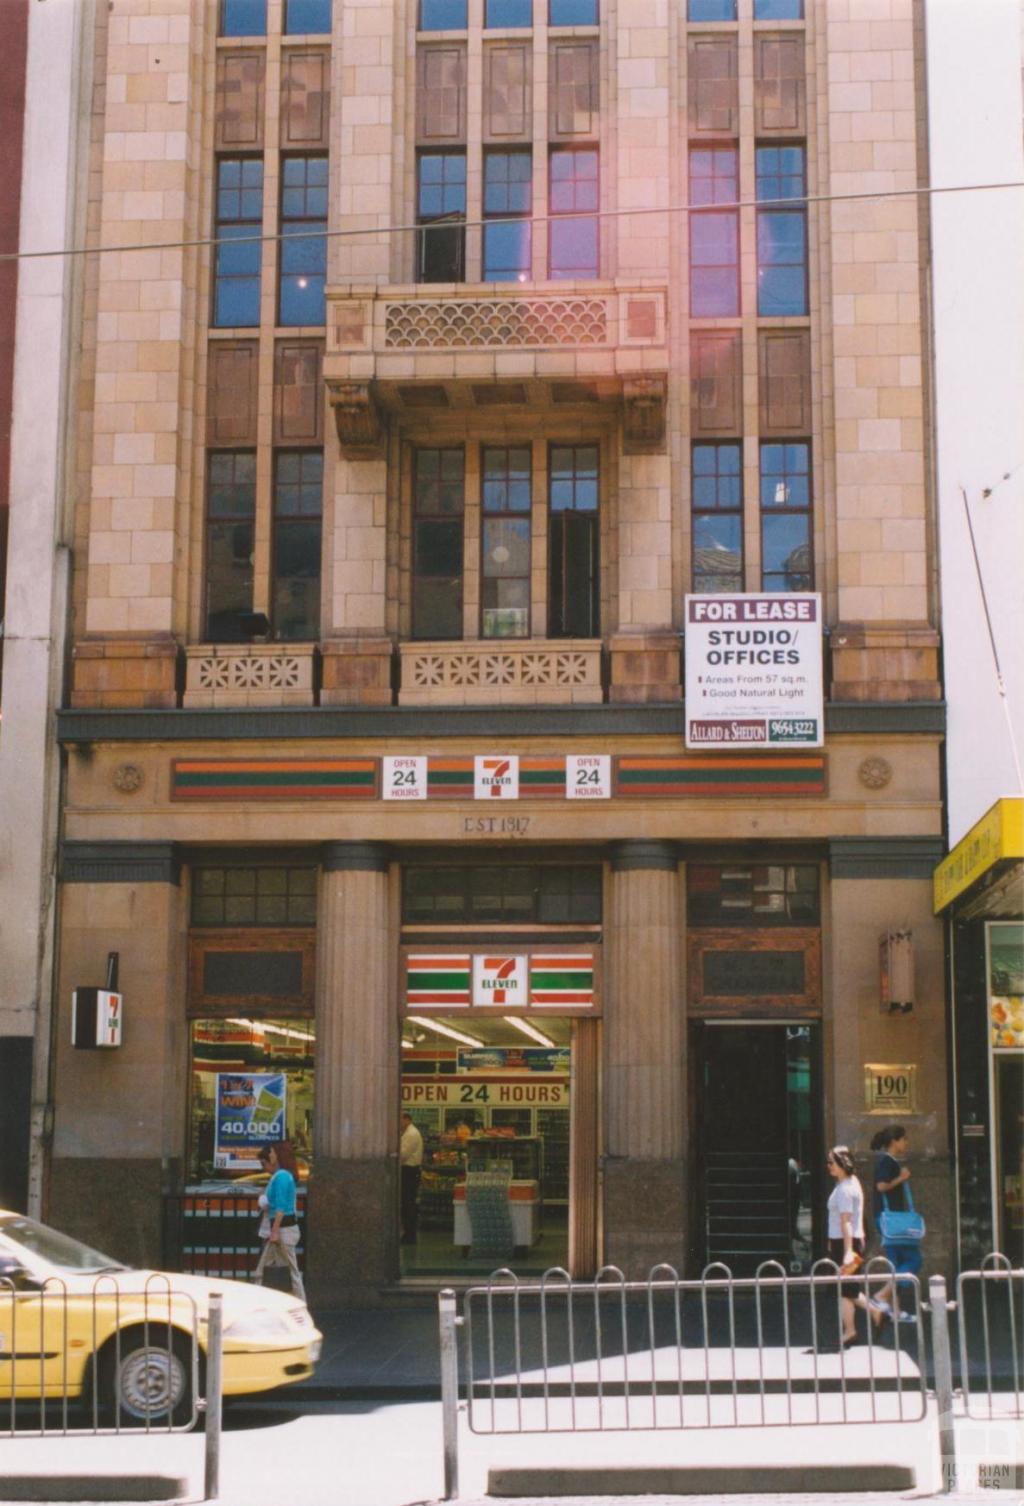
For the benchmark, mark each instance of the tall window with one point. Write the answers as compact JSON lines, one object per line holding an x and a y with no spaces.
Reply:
{"x":230,"y":521}
{"x":243,"y":18}
{"x":236,"y":292}
{"x":714,"y":233}
{"x":508,"y":13}
{"x":572,"y":190}
{"x":717,"y":517}
{"x":572,"y":13}
{"x":786,"y":560}
{"x":441,"y":211}
{"x":303,"y":259}
{"x":782,"y":231}
{"x":505,"y":543}
{"x":442,"y":15}
{"x":298,"y":505}
{"x":573,"y":531}
{"x":302,"y":17}
{"x":508,"y":202}
{"x":438,"y":502}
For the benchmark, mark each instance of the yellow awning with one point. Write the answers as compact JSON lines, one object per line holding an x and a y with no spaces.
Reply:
{"x":997,"y":837}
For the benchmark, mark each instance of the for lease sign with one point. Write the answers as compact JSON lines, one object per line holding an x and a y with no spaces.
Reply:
{"x":753,"y":671}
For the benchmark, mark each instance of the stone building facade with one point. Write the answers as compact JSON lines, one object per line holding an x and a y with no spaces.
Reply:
{"x":524,"y":321}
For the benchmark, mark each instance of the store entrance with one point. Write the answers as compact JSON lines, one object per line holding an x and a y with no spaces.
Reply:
{"x":758,"y":1143}
{"x":492,"y":1101}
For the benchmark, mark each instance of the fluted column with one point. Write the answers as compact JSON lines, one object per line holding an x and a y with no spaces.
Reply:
{"x":645,"y":1061}
{"x":352,"y":1201}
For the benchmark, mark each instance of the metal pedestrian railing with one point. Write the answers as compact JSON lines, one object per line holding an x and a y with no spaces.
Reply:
{"x":990,"y":1303}
{"x":109,"y":1355}
{"x":559,"y":1356}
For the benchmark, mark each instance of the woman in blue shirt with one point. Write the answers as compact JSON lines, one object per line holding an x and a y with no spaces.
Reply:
{"x":281,"y":1236}
{"x":890,"y":1146}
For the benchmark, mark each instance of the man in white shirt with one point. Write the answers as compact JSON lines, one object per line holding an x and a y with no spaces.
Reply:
{"x":410,"y":1155}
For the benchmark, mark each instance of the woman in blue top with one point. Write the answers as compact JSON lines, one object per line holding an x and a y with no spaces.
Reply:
{"x":890,"y":1146}
{"x":279,"y":1221}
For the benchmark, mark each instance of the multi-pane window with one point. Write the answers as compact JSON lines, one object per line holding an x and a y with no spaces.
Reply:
{"x":574,"y":538}
{"x":298,"y":506}
{"x":573,"y":190}
{"x":441,"y":211}
{"x":786,"y":560}
{"x":303,"y":259}
{"x":438,"y":502}
{"x":230,"y":540}
{"x":744,"y":894}
{"x":778,"y":10}
{"x":442,"y":15}
{"x":717,"y":516}
{"x":508,"y":201}
{"x":714,"y":233}
{"x":781,"y":230}
{"x":572,"y":13}
{"x":253,"y":896}
{"x":243,"y":18}
{"x":508,"y":13}
{"x":526,"y":893}
{"x":239,"y":223}
{"x":711,"y":10}
{"x":306,"y":17}
{"x":506,"y":500}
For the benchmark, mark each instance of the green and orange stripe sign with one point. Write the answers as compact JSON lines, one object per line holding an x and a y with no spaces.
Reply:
{"x":433,"y":978}
{"x":562,"y":978}
{"x":274,"y":778}
{"x":798,"y":774}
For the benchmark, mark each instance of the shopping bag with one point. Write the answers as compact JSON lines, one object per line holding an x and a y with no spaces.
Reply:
{"x":904,"y":1227}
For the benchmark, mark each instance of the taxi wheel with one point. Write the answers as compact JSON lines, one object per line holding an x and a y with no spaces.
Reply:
{"x":147,"y":1381}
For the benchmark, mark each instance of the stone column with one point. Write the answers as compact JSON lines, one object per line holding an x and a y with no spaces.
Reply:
{"x":353,"y":1207}
{"x":645,"y":1063}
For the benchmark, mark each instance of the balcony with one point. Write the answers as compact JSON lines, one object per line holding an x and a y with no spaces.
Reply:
{"x":568,"y":347}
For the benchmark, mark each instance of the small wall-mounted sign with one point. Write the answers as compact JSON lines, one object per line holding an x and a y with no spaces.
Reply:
{"x":890,"y":1089}
{"x":404,"y":778}
{"x":96,"y":1016}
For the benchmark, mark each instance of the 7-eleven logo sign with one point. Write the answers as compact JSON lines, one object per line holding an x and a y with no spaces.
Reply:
{"x":499,"y":980}
{"x":495,"y":777}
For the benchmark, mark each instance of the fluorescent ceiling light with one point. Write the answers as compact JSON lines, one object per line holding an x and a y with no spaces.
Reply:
{"x":408,"y":1045}
{"x":295,"y":1035}
{"x":528,"y":1029}
{"x":456,"y":1035}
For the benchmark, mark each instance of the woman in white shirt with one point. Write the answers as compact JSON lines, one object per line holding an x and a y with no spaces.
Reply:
{"x":846,"y":1236}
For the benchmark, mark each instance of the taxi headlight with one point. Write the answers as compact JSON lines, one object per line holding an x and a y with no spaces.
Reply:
{"x":262,"y":1325}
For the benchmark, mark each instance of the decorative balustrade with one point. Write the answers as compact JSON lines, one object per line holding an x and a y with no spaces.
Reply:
{"x":251,"y":674}
{"x":530,"y":672}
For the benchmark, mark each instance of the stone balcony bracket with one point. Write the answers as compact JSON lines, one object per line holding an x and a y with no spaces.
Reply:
{"x":455,"y":347}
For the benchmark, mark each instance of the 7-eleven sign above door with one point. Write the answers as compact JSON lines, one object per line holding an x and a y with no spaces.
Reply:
{"x":500,"y":979}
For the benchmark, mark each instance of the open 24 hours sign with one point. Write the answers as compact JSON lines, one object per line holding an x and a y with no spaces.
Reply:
{"x":753,"y":670}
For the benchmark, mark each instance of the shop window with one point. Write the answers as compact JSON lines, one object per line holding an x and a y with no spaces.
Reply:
{"x":781,"y":231}
{"x":438,"y":503}
{"x":717,"y":516}
{"x":230,"y":525}
{"x":441,"y":214}
{"x":786,"y":560}
{"x":303,"y":261}
{"x":509,"y":893}
{"x":572,"y":190}
{"x":298,"y":492}
{"x":251,"y":1081}
{"x":714,"y":233}
{"x":711,"y":10}
{"x":230,"y":896}
{"x":505,"y":543}
{"x":307,"y":17}
{"x":239,"y":223}
{"x":746,"y":894}
{"x":508,"y":204}
{"x":508,"y":13}
{"x":243,"y":18}
{"x":572,"y":13}
{"x":574,"y":580}
{"x":442,"y":15}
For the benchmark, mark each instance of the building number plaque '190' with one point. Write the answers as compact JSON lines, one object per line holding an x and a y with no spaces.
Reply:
{"x":890,"y":1089}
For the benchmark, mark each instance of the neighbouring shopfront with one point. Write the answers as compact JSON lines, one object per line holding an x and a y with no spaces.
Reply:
{"x":979,"y":887}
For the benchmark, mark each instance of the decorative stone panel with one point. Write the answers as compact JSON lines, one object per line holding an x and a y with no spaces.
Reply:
{"x":714,"y":90}
{"x":119,"y":673}
{"x":305,"y":99}
{"x":469,"y":323}
{"x":716,"y":383}
{"x":232,"y":392}
{"x":251,"y":674}
{"x":507,"y":92}
{"x":780,"y":85}
{"x":239,"y":107}
{"x":541,"y":672}
{"x":574,"y":90}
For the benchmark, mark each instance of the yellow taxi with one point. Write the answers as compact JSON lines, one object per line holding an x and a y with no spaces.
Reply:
{"x":131,"y":1343}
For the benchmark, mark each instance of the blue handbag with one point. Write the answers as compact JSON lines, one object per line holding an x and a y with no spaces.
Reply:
{"x":901,"y":1227}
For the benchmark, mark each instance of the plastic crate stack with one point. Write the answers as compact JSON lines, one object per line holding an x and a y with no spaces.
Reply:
{"x":490,"y":1221}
